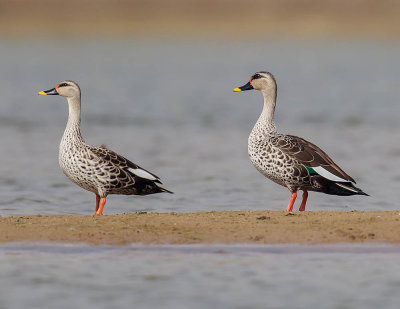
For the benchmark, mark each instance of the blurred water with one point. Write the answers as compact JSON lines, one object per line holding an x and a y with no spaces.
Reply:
{"x":169,"y":107}
{"x":198,"y":276}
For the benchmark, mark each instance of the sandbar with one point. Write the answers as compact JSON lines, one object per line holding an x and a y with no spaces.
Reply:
{"x":215,"y":227}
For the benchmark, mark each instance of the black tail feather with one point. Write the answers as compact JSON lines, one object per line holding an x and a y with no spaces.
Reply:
{"x":145,"y":186}
{"x":165,"y":190}
{"x":344,"y":188}
{"x":337,"y":188}
{"x":348,"y":186}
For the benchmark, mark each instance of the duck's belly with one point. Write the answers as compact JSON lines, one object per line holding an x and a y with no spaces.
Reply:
{"x":278,"y":167}
{"x":81,"y":172}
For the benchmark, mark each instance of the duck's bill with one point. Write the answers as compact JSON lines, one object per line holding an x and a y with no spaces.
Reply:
{"x":49,"y":92}
{"x":248,"y":86}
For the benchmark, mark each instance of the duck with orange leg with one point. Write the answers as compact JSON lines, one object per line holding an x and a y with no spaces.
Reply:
{"x":289,"y":160}
{"x":97,"y":169}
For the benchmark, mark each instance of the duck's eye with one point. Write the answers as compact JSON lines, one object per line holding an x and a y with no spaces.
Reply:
{"x":256,"y":76}
{"x":63,"y":85}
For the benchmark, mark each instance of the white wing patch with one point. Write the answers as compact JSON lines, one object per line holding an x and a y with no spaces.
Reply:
{"x":326,"y":174}
{"x":142,"y":173}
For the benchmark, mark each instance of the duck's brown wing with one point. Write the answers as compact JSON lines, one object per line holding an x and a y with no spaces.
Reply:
{"x":310,"y":156}
{"x":123,"y":163}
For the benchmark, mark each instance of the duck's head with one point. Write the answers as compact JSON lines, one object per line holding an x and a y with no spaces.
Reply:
{"x":263,"y":81}
{"x":67,"y":88}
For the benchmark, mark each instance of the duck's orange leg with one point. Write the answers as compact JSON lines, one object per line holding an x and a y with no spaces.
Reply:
{"x":97,"y":204}
{"x":289,"y":207}
{"x":101,"y":206}
{"x":304,"y":201}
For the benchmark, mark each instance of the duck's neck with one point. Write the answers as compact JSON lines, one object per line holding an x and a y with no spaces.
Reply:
{"x":72,"y":131}
{"x":266,"y":120}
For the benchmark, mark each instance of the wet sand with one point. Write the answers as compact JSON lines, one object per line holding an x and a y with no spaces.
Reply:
{"x":229,"y":227}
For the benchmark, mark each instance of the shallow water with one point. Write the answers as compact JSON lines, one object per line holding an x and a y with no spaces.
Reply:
{"x":218,"y":276}
{"x":169,"y":107}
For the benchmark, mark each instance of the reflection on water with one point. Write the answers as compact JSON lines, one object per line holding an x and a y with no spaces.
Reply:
{"x":199,"y":276}
{"x":170,"y":108}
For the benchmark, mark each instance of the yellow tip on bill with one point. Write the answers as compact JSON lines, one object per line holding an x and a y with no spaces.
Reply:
{"x":42,"y":93}
{"x":237,"y":89}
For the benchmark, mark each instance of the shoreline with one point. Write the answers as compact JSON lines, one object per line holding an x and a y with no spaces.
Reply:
{"x":222,"y":227}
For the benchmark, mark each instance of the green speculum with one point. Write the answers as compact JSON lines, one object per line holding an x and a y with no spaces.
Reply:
{"x":310,"y":170}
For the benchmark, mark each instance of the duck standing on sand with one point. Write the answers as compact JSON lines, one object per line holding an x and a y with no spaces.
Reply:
{"x":97,"y":169}
{"x":289,"y":160}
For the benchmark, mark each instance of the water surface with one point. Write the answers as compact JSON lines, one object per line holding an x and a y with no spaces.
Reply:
{"x":218,"y":276}
{"x":169,"y":107}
